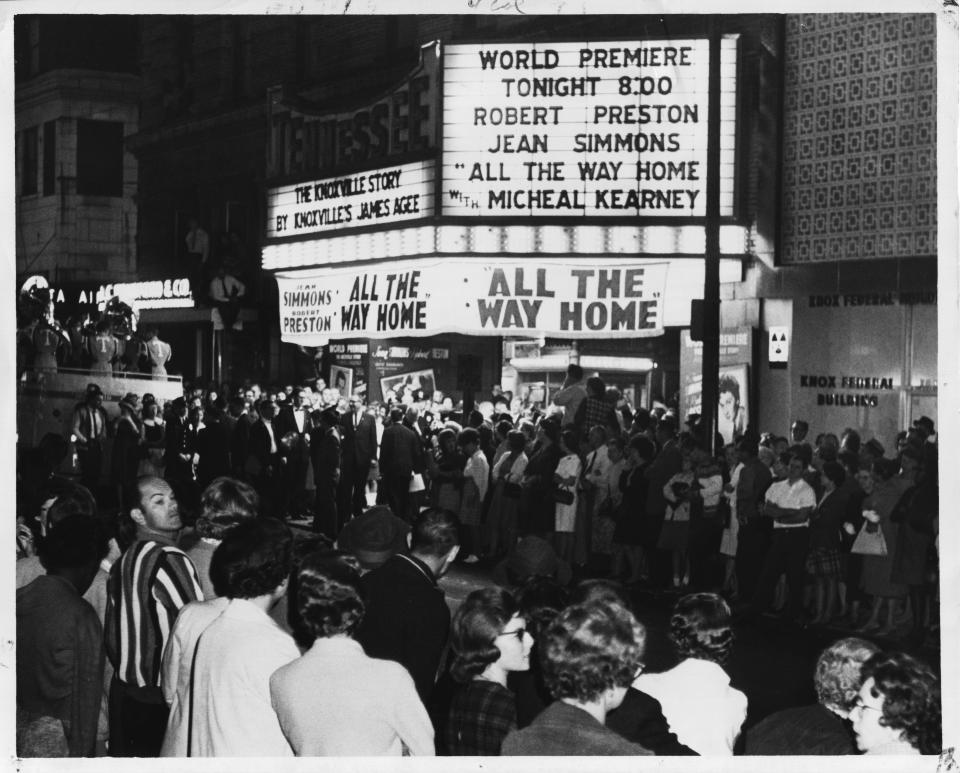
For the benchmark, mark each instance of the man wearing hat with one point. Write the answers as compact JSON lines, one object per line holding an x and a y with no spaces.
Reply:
{"x":179,"y":454}
{"x":90,"y":430}
{"x":531,"y":557}
{"x":924,"y":425}
{"x":374,"y":537}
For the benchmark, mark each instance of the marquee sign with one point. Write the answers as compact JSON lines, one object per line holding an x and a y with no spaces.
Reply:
{"x":378,"y":197}
{"x":584,"y":129}
{"x":568,"y":298}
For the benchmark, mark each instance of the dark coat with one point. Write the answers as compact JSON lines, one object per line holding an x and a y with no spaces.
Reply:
{"x":802,"y":730}
{"x":407,"y":619}
{"x":400,"y":452}
{"x":667,"y":464}
{"x":564,"y":730}
{"x":640,"y":719}
{"x":358,"y":444}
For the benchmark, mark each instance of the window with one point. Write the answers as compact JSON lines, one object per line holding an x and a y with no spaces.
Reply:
{"x":49,"y":158}
{"x":99,"y":158}
{"x":28,"y":172}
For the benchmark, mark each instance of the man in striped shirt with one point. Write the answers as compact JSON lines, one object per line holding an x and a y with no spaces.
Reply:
{"x":148,"y":586}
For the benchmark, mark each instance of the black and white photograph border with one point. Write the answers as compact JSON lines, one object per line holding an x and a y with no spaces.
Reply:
{"x":948,"y":370}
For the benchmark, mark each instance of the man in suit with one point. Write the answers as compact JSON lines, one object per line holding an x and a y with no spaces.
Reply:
{"x":90,"y":430}
{"x":325,"y":456}
{"x":294,"y":426}
{"x":669,"y":462}
{"x":407,"y":618}
{"x":179,"y":452}
{"x":400,"y":454}
{"x":359,"y":449}
{"x":264,"y":463}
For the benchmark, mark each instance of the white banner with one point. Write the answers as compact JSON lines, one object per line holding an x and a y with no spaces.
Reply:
{"x":562,"y":297}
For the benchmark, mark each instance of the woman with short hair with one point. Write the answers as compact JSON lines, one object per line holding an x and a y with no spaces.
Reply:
{"x":822,"y":727}
{"x":589,"y":655}
{"x":898,"y":709}
{"x":334,"y":700}
{"x":702,"y":708}
{"x":489,"y":640}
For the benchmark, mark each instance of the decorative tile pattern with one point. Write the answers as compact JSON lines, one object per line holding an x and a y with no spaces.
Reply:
{"x":859,"y":148}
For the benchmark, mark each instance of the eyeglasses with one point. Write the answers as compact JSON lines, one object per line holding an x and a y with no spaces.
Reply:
{"x":859,"y":705}
{"x":518,"y":632}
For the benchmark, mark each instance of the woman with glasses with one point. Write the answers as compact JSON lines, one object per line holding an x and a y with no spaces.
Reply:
{"x":489,"y":641}
{"x":898,"y":710}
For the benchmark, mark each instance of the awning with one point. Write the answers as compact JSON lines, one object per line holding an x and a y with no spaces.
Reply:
{"x":589,"y":362}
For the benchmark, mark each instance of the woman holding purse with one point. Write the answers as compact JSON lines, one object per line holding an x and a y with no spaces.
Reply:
{"x":878,"y":507}
{"x":565,"y":481}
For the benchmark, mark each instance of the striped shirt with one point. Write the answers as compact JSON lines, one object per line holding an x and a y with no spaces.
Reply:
{"x":148,"y":586}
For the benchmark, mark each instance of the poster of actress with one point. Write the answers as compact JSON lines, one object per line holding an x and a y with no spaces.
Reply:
{"x":734,"y":398}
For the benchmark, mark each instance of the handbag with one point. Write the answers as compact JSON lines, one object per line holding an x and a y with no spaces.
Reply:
{"x":416,"y":483}
{"x":869,"y":543}
{"x":563,"y":496}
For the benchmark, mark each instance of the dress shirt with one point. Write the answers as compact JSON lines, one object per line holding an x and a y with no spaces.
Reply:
{"x":791,"y":497}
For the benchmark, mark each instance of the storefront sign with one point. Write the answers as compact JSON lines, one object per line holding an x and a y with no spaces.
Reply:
{"x":567,"y":298}
{"x":155,"y":294}
{"x":864,"y":394}
{"x":378,"y":197}
{"x":837,"y":300}
{"x":584,"y":129}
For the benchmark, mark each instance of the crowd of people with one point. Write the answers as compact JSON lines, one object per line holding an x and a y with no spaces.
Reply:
{"x":256,"y":574}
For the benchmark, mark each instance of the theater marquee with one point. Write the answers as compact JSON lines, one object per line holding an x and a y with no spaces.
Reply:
{"x":584,"y":129}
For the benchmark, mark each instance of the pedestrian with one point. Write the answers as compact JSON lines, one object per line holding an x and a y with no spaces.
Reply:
{"x":235,"y":656}
{"x":407,"y":618}
{"x":148,"y":586}
{"x":366,"y":706}
{"x":704,"y":711}
{"x":489,"y":641}
{"x":90,"y":431}
{"x":589,"y":653}
{"x":59,"y":638}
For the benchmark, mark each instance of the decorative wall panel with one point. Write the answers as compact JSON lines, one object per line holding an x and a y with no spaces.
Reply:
{"x":859,"y":151}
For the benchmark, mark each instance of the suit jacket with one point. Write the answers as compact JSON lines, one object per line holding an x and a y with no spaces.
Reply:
{"x":177,"y":442}
{"x":260,"y":445}
{"x":400,"y":452}
{"x":802,"y":730}
{"x":407,"y":618}
{"x":213,"y":446}
{"x":359,"y":444}
{"x":287,"y":422}
{"x":667,"y":464}
{"x":325,"y":452}
{"x":565,"y":730}
{"x":640,"y":719}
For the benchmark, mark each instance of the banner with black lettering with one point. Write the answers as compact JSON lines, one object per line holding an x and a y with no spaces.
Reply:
{"x":566,"y":298}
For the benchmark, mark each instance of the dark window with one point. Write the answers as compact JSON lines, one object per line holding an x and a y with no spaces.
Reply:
{"x":28,"y":174}
{"x":49,"y":158}
{"x":100,"y":158}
